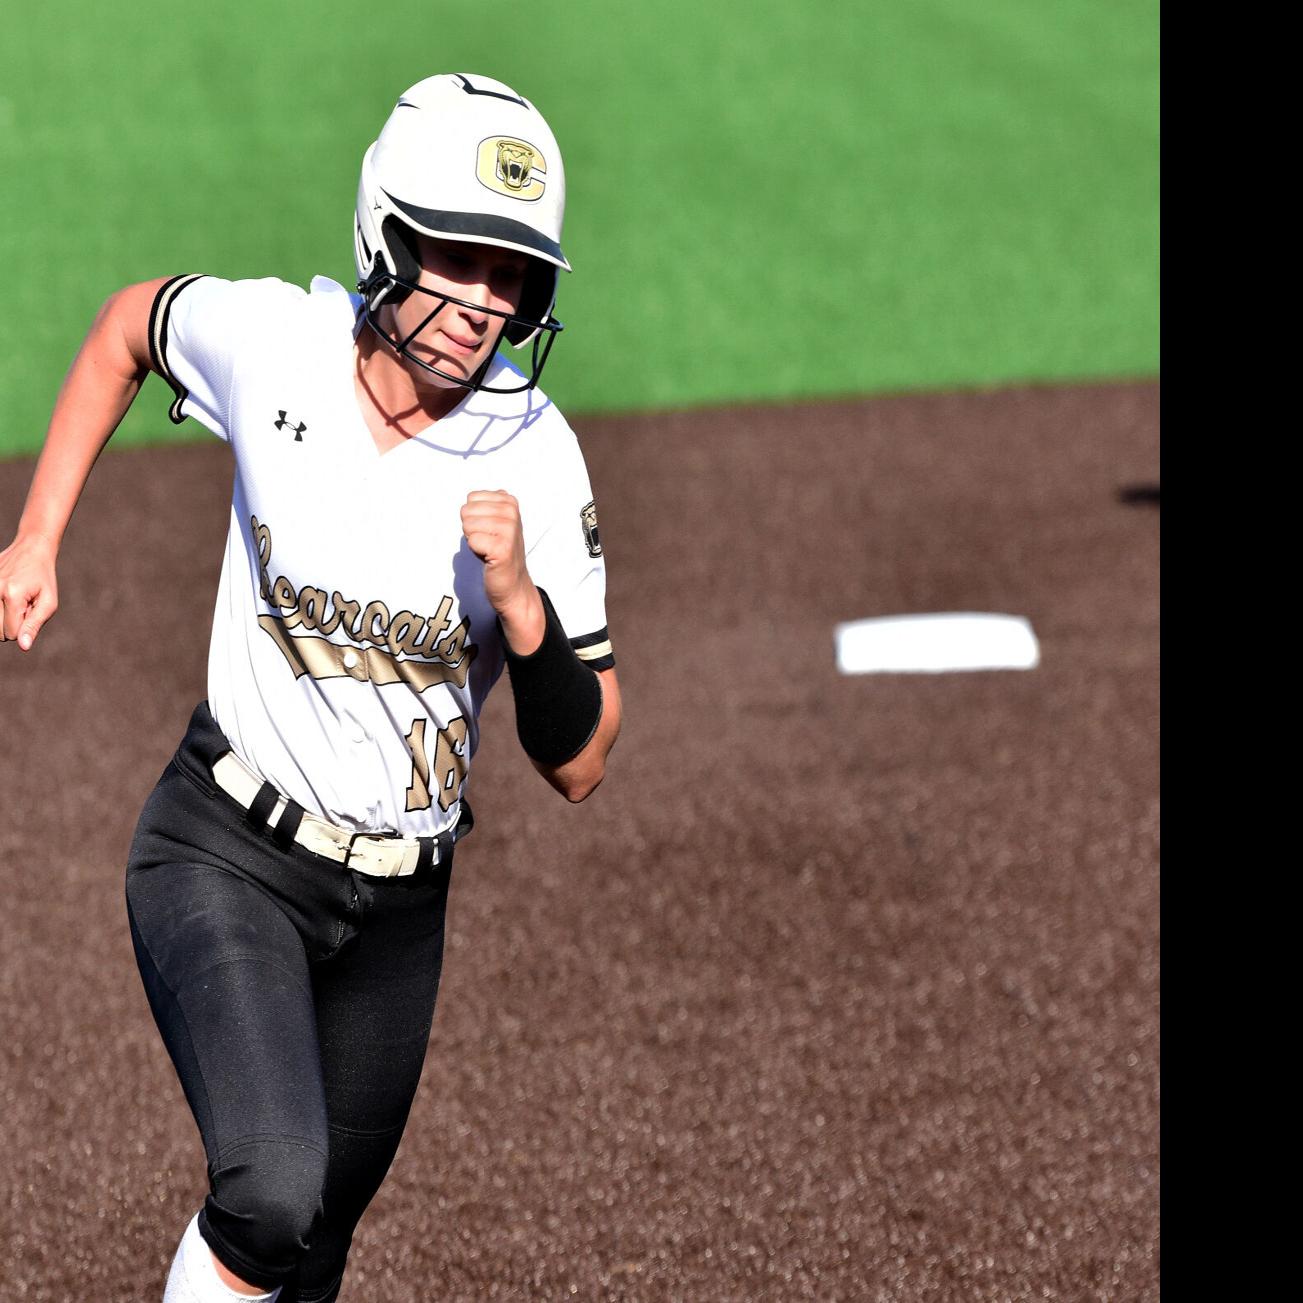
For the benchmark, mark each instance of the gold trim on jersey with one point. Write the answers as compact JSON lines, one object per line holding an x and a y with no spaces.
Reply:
{"x":322,"y":659}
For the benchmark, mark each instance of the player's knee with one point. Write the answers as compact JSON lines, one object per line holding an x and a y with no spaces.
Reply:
{"x":265,"y":1200}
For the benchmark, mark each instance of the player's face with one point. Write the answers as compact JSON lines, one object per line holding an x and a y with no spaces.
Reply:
{"x":461,"y":335}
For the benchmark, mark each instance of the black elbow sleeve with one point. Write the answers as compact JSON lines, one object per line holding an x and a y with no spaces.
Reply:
{"x":558,"y":698}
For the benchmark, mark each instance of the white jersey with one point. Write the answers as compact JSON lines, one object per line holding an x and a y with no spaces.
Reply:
{"x":353,"y":645}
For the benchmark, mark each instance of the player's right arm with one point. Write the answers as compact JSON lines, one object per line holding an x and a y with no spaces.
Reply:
{"x":100,"y":386}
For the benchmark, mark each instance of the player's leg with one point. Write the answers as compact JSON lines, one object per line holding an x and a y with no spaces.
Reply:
{"x":224,"y":959}
{"x":375,"y":1002}
{"x":219,"y":967}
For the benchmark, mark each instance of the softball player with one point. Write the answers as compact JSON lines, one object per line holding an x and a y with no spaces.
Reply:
{"x":410,"y":514}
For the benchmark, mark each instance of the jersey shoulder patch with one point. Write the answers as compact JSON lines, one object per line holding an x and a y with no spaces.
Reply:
{"x":588,"y":520}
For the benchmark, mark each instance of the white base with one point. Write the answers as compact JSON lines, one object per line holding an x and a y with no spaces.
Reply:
{"x":936,"y":644}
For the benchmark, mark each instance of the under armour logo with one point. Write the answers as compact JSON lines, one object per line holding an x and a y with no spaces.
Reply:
{"x":283,"y":424}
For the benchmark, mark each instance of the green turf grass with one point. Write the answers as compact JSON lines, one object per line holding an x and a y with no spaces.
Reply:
{"x":766,"y":199}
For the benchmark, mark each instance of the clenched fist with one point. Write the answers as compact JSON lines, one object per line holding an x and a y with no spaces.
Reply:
{"x":28,"y":592}
{"x":491,"y":522}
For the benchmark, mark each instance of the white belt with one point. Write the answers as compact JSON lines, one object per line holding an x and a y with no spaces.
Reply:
{"x":380,"y":855}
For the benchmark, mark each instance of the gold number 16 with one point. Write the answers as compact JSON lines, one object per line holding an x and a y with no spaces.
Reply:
{"x":451,"y":762}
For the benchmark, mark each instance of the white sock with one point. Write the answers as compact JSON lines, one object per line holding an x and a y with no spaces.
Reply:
{"x":194,"y":1278}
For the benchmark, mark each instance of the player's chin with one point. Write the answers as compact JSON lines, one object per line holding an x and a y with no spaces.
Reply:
{"x":457,"y":371}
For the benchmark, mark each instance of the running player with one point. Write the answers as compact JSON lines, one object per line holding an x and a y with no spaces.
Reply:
{"x":410,"y":514}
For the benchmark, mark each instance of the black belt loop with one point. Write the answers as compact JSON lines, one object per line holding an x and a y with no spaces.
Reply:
{"x":425,"y":857}
{"x":260,"y":808}
{"x":424,"y":862}
{"x":287,"y":825}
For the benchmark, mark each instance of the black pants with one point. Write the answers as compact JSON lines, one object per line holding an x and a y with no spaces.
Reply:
{"x":295,"y":997}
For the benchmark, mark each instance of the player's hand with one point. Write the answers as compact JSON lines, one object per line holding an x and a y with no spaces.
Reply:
{"x":491,"y":522}
{"x":28,"y":592}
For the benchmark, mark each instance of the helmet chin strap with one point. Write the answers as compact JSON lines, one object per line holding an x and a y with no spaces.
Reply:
{"x":373,"y":288}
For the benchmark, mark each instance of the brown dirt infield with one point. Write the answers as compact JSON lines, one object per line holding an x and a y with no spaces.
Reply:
{"x":839,"y":988}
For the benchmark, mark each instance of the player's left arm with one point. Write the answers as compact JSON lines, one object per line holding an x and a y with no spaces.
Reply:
{"x":577,"y":777}
{"x":491,"y":523}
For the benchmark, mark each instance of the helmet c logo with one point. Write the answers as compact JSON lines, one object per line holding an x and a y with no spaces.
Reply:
{"x":511,"y":167}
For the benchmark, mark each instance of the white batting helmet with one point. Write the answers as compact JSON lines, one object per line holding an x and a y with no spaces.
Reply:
{"x":463,"y":157}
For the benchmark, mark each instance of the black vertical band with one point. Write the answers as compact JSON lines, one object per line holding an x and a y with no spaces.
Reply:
{"x":261,"y":806}
{"x":287,"y":825}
